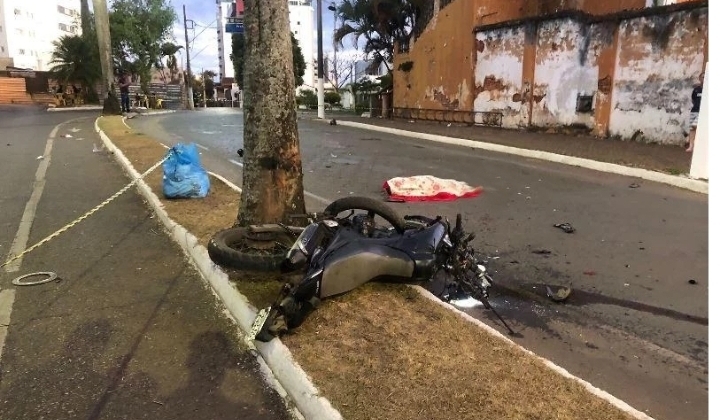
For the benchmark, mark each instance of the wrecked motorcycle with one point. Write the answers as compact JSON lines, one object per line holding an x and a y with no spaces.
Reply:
{"x":334,"y":255}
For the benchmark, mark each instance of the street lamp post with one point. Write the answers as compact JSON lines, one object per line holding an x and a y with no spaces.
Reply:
{"x":333,"y":8}
{"x":321,"y":70}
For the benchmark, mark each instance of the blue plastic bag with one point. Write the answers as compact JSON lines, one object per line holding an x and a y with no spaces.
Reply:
{"x":183,"y":175}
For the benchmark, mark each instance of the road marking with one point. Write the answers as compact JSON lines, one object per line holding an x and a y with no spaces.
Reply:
{"x":123,"y":121}
{"x":26,"y":222}
{"x":236,"y":162}
{"x":318,"y":198}
{"x":202,"y":147}
{"x":7,"y":297}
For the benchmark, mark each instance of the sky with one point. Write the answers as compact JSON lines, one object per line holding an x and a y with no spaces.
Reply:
{"x":203,"y":50}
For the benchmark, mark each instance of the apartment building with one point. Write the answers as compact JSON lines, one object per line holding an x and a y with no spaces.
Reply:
{"x":302,"y":25}
{"x":28,"y":29}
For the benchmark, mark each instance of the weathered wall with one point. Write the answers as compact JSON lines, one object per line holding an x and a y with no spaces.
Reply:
{"x":442,"y":70}
{"x":565,"y":67}
{"x":659,"y":61}
{"x":498,"y":74}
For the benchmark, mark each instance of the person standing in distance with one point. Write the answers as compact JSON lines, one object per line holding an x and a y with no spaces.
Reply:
{"x":696,"y":97}
{"x":125,"y":92}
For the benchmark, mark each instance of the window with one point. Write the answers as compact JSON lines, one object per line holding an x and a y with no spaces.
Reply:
{"x":2,"y":49}
{"x":21,"y":51}
{"x":19,"y":31}
{"x":17,"y":12}
{"x":64,"y":27}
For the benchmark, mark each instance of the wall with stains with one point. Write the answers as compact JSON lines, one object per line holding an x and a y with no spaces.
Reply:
{"x":659,"y":61}
{"x":498,"y":74}
{"x":442,"y":63}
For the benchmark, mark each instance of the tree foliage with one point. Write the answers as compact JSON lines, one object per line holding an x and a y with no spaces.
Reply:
{"x":299,"y":64}
{"x":238,"y":52}
{"x":139,"y":29}
{"x":76,"y":58}
{"x":379,"y":23}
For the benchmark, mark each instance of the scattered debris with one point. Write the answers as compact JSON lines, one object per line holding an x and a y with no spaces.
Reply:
{"x":642,"y":248}
{"x":627,"y":284}
{"x":67,"y":136}
{"x":333,"y":155}
{"x":634,"y":185}
{"x":560,"y":295}
{"x":39,"y":157}
{"x":49,"y":276}
{"x":240,"y":152}
{"x":692,"y":281}
{"x":566,"y":227}
{"x":449,"y":125}
{"x":514,"y":262}
{"x":541,"y":251}
{"x":328,"y":166}
{"x":98,"y":149}
{"x":74,"y":130}
{"x":589,"y":272}
{"x":8,"y":144}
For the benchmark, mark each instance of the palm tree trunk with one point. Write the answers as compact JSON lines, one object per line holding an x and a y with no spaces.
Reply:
{"x":272,"y":175}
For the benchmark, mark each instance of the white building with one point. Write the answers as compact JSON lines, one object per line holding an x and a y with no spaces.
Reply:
{"x":302,"y":25}
{"x":28,"y":29}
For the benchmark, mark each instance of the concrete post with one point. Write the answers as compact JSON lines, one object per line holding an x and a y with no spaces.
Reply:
{"x":699,"y":167}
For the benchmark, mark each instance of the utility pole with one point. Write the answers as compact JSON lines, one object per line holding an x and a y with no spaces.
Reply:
{"x":333,"y":8}
{"x":204,"y":97}
{"x":102,"y":27}
{"x":321,"y":67}
{"x":191,"y":103}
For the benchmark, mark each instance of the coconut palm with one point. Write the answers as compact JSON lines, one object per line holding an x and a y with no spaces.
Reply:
{"x":76,"y":60}
{"x":379,"y":23}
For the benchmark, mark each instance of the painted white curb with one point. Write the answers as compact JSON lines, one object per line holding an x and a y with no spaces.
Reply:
{"x":620,"y":404}
{"x":676,"y":181}
{"x":77,"y":108}
{"x":275,"y":356}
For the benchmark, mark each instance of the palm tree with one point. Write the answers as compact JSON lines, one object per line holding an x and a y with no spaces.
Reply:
{"x":76,"y":60}
{"x":379,"y":23}
{"x":168,"y":52}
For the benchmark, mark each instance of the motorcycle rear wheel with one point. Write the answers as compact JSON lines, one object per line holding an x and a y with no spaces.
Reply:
{"x":242,"y":249}
{"x":370,"y":205}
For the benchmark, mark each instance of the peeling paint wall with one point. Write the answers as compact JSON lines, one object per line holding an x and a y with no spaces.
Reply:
{"x":659,"y":61}
{"x":498,"y":74}
{"x":442,"y":71}
{"x":565,"y":67}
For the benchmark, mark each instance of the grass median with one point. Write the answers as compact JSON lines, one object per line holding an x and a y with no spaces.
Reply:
{"x":383,"y":351}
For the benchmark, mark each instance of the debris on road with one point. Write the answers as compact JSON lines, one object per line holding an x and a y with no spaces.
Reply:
{"x":566,"y":227}
{"x":692,"y":281}
{"x":67,"y":136}
{"x":39,"y":157}
{"x":541,"y":251}
{"x":589,"y":272}
{"x":634,"y":185}
{"x":240,"y":152}
{"x":560,"y":295}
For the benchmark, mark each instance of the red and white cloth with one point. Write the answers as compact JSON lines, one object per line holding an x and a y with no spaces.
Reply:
{"x":428,"y":188}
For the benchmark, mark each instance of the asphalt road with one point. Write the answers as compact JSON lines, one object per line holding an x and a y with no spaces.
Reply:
{"x":633,"y":326}
{"x":130,"y":331}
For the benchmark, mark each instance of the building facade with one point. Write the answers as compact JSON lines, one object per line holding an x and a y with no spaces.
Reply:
{"x":302,"y":25}
{"x":618,"y":68}
{"x":29,"y":28}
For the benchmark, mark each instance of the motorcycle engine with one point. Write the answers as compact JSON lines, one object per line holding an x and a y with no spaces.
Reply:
{"x":364,"y":225}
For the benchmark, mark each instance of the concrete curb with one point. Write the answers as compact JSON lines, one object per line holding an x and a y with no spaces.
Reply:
{"x":77,"y":108}
{"x":676,"y":181}
{"x":289,"y":379}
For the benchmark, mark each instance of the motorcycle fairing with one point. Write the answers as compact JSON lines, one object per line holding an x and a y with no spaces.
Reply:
{"x":352,"y":260}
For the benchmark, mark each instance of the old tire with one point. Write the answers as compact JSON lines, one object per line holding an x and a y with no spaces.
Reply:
{"x":226,"y":248}
{"x":369,"y":204}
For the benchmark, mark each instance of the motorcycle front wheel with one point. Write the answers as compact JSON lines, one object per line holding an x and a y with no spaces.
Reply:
{"x":370,"y":205}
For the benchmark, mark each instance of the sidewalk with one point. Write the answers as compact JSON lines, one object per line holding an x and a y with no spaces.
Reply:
{"x":130,"y":331}
{"x":668,"y":159}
